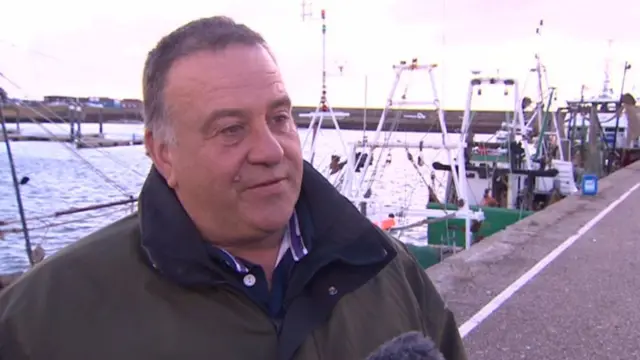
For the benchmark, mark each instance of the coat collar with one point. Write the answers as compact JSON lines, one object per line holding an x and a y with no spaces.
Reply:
{"x":330,"y":225}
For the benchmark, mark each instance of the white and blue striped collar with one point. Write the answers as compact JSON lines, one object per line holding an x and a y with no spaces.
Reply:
{"x":292,"y":240}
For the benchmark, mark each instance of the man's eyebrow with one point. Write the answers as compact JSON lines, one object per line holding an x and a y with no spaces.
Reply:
{"x":283,"y":101}
{"x":216,"y":115}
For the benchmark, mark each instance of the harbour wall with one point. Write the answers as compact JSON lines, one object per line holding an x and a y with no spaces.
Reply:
{"x":413,"y":120}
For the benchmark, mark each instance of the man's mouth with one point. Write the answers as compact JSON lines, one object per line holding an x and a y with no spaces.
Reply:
{"x":267,"y":183}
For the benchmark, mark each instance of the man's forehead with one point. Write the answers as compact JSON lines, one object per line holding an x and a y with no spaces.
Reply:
{"x":243,"y":79}
{"x":225,"y":68}
{"x":237,"y":69}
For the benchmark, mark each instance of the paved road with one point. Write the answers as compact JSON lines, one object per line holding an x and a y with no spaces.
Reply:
{"x":584,"y":305}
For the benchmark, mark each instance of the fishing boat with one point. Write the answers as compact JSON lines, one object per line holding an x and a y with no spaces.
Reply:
{"x":523,"y":176}
{"x":502,"y":179}
{"x":519,"y":177}
{"x":456,"y":172}
{"x":616,"y":129}
{"x":369,"y":164}
{"x":453,"y":171}
{"x":517,"y":171}
{"x":604,"y":127}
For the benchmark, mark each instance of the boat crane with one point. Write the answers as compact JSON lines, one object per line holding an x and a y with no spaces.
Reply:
{"x":515,"y":177}
{"x":517,"y":124}
{"x":356,"y":182}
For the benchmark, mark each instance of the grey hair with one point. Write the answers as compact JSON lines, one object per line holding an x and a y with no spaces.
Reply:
{"x":213,"y":33}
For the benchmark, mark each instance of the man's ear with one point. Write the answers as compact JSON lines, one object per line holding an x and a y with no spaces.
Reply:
{"x":160,"y":153}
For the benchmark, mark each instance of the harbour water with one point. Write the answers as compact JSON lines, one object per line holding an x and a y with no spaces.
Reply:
{"x":62,"y":177}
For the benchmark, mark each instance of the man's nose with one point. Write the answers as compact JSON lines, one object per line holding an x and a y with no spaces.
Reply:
{"x":265,"y":147}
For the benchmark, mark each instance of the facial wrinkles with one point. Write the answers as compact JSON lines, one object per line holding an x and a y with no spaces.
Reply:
{"x":250,"y":72}
{"x":246,"y":92}
{"x":197,"y":92}
{"x":198,"y":76}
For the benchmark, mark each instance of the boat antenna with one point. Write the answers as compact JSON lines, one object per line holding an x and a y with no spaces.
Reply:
{"x":606,"y":84}
{"x":323,"y":97}
{"x":16,"y":183}
{"x":539,"y":70}
{"x":324,"y":110}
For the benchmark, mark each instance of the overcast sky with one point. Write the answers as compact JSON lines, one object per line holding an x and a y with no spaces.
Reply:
{"x":76,"y":48}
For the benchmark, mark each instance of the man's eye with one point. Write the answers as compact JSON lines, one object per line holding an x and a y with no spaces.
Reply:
{"x":282,"y":120}
{"x":231,"y":130}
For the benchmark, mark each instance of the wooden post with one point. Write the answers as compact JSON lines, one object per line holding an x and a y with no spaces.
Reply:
{"x":100,"y":122}
{"x":70,"y":116}
{"x":17,"y":120}
{"x":80,"y":114}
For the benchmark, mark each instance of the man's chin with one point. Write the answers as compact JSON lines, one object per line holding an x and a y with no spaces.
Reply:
{"x":272,"y":222}
{"x":268,"y":213}
{"x":269,"y":217}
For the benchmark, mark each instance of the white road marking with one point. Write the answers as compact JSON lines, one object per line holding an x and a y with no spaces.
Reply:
{"x":500,"y":299}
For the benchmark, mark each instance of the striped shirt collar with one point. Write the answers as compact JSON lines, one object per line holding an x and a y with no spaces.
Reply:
{"x":292,"y":240}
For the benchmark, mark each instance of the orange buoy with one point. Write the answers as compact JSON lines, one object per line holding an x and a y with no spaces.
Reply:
{"x":387,"y":223}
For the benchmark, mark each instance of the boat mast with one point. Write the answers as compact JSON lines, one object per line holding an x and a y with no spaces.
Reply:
{"x":323,"y":96}
{"x":324,"y":109}
{"x":14,"y":176}
{"x":606,"y":84}
{"x":364,"y":111}
{"x":539,"y":70}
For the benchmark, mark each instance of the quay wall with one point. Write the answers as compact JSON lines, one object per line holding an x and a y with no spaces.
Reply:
{"x":418,"y":120}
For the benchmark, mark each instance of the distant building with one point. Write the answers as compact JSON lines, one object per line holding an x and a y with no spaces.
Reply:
{"x":100,"y":102}
{"x":27,"y":102}
{"x":56,"y":99}
{"x":94,"y":101}
{"x":131,"y":104}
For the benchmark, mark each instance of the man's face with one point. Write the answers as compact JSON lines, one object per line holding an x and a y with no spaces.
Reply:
{"x":236,"y":165}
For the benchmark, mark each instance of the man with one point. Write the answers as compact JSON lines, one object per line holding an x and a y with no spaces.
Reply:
{"x":239,"y":250}
{"x":488,"y":200}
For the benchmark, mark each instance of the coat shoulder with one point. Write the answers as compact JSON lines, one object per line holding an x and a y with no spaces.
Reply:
{"x":80,"y":266}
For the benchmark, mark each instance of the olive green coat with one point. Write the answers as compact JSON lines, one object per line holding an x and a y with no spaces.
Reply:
{"x":99,"y":299}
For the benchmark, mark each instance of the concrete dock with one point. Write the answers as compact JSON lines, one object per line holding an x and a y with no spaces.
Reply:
{"x":101,"y":142}
{"x":561,"y":284}
{"x":421,"y":120}
{"x":86,"y":141}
